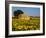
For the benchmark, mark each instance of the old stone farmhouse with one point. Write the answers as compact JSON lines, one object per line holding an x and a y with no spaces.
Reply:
{"x":24,"y":17}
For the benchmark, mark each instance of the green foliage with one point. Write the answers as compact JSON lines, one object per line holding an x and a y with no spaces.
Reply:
{"x":18,"y":25}
{"x":17,"y":12}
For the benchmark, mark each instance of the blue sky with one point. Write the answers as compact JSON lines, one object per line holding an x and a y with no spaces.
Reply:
{"x":30,"y":11}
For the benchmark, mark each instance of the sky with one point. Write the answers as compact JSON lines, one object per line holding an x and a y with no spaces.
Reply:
{"x":30,"y":11}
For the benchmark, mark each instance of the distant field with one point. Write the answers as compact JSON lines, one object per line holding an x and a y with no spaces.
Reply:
{"x":23,"y":25}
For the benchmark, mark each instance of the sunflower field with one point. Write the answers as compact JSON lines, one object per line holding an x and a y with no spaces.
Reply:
{"x":24,"y":25}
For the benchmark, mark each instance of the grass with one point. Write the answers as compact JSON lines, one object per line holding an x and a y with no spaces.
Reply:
{"x":24,"y":25}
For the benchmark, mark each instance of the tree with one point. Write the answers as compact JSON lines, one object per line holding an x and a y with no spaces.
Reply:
{"x":18,"y":12}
